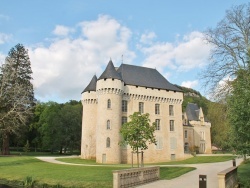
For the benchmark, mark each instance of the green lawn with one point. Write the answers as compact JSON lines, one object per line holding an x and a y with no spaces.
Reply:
{"x":200,"y":159}
{"x":193,"y":160}
{"x":244,"y":173}
{"x":18,"y":168}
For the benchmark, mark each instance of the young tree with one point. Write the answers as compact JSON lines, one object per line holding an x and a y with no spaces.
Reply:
{"x":230,"y":40}
{"x":138,"y":132}
{"x":239,"y":112}
{"x":16,"y":94}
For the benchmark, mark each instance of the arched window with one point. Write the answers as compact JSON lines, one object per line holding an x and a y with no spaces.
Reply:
{"x":108,"y":124}
{"x":109,"y":103}
{"x":108,"y":142}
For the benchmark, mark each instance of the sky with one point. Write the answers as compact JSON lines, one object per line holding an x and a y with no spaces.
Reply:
{"x":71,"y":41}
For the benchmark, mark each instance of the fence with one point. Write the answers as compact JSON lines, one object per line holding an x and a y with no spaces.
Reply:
{"x":135,"y":176}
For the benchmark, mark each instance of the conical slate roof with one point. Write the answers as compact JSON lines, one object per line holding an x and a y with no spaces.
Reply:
{"x":146,"y":77}
{"x":110,"y":72}
{"x":92,"y":85}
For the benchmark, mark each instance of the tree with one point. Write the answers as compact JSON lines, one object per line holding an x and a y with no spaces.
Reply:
{"x":220,"y":129}
{"x":230,"y":40}
{"x":138,"y":132}
{"x":71,"y":114}
{"x":239,"y":111}
{"x":16,"y":94}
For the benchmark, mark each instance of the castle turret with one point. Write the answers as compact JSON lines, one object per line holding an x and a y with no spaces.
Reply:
{"x":89,"y":103}
{"x":109,"y":90}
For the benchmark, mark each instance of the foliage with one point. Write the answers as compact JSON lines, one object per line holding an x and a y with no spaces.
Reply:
{"x":243,"y":174}
{"x":29,"y":182}
{"x":59,"y":126}
{"x":230,"y":42}
{"x":138,"y":132}
{"x":220,"y":129}
{"x":26,"y":148}
{"x":239,"y":111}
{"x":16,"y":94}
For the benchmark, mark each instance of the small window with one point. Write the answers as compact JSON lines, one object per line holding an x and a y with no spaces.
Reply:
{"x":141,"y":107}
{"x":157,"y":108}
{"x":108,"y":142}
{"x":186,"y":133}
{"x":157,"y":124}
{"x":171,"y":122}
{"x":108,"y":124}
{"x":109,"y":104}
{"x":171,"y":110}
{"x":124,"y":119}
{"x":124,"y":106}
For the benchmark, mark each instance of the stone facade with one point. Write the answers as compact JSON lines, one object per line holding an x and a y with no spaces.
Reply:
{"x":109,"y":101}
{"x":196,"y":130}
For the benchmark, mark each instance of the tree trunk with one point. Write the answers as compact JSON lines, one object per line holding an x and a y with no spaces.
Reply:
{"x":6,"y":144}
{"x":137,"y":153}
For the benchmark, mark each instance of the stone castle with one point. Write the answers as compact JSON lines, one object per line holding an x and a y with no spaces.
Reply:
{"x":119,"y":92}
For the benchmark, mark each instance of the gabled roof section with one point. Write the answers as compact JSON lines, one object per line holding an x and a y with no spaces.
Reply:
{"x":110,"y":72}
{"x":92,"y":85}
{"x":146,"y":77}
{"x":192,"y":111}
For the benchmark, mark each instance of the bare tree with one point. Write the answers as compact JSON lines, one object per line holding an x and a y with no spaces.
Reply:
{"x":230,"y":41}
{"x":16,"y":94}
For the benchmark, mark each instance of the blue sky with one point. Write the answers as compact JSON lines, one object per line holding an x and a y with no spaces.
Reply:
{"x":70,"y":41}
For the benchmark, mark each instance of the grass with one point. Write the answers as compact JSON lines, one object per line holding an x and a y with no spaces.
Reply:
{"x":200,"y":159}
{"x":193,"y":160}
{"x":18,"y":168}
{"x":168,"y":173}
{"x":244,"y":173}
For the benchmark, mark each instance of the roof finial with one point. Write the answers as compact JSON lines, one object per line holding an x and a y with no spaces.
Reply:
{"x":122,"y":58}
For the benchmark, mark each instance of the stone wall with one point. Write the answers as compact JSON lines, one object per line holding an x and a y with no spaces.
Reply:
{"x":228,"y":178}
{"x":135,"y":176}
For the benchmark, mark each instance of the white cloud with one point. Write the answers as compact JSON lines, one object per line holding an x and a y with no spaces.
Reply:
{"x":2,"y":58}
{"x":190,"y":84}
{"x":62,"y":30}
{"x":147,"y":38}
{"x":4,"y":38}
{"x":65,"y":67}
{"x":189,"y":53}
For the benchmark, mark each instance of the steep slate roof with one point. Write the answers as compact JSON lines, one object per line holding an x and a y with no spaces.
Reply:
{"x":192,"y":111}
{"x":110,"y":72}
{"x":92,"y":85}
{"x":146,"y":77}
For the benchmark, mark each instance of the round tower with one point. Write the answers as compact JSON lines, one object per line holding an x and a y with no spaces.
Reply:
{"x":109,"y":90}
{"x":89,"y":103}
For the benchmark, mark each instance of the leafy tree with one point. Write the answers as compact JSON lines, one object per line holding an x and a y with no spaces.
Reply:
{"x":220,"y":129}
{"x":59,"y":125}
{"x":230,"y":40}
{"x":239,"y":111}
{"x":50,"y":127}
{"x":16,"y":94}
{"x":71,"y":114}
{"x":138,"y":132}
